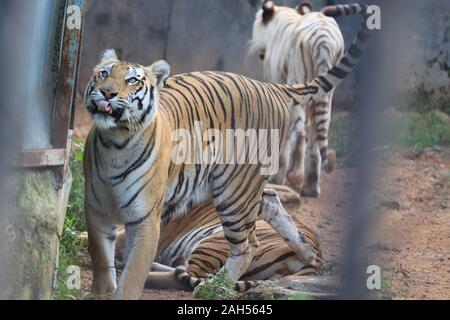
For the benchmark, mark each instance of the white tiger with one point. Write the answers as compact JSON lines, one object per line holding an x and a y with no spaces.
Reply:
{"x":298,"y":45}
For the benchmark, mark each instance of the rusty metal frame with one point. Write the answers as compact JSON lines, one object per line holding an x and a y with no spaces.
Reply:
{"x":64,"y":105}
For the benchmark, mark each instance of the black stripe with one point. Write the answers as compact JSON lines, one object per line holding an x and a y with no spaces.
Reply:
{"x":149,"y":107}
{"x":135,"y":195}
{"x":347,"y":63}
{"x":325,"y":84}
{"x":132,"y":223}
{"x":338,"y":73}
{"x":143,"y":157}
{"x":363,"y":36}
{"x":267,"y":265}
{"x":354,"y":51}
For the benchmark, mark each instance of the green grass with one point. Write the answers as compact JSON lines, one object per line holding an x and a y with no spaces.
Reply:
{"x":420,"y":132}
{"x":421,"y":101}
{"x":217,"y":288}
{"x":343,"y":138}
{"x":416,"y":124}
{"x":70,"y":251}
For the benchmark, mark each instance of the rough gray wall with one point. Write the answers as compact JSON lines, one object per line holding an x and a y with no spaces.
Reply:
{"x":213,"y":35}
{"x":191,"y":35}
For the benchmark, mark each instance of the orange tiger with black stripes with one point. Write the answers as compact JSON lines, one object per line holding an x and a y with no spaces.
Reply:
{"x":201,"y":244}
{"x":132,"y":178}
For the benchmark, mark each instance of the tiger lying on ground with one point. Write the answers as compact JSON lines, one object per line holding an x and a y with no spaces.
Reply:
{"x":200,"y":241}
{"x":298,"y":45}
{"x":131,"y":177}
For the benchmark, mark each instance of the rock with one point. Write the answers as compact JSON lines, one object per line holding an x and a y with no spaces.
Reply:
{"x":295,"y":288}
{"x":40,"y":208}
{"x":390,"y":204}
{"x":315,"y":285}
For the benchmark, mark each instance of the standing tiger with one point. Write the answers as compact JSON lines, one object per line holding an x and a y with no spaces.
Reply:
{"x":298,"y":45}
{"x":131,"y":177}
{"x":201,"y":242}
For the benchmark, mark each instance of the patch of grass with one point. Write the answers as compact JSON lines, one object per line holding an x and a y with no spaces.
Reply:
{"x":422,"y":101}
{"x":420,"y":132}
{"x":70,"y":250}
{"x":421,"y":122}
{"x":301,"y":296}
{"x":220,"y":287}
{"x":343,"y":139}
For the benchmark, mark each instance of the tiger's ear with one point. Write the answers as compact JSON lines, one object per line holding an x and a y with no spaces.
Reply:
{"x":161,"y":70}
{"x":109,"y":55}
{"x":305,"y":7}
{"x":268,"y":8}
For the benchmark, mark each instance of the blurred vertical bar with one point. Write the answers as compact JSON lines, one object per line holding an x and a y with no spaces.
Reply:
{"x":381,"y":69}
{"x":38,"y":65}
{"x":15,"y":23}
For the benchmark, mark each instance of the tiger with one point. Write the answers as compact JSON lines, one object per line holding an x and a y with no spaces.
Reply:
{"x":133,"y":173}
{"x":298,"y":45}
{"x":189,"y":251}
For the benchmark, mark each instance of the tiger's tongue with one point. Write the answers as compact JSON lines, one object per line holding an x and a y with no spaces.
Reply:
{"x":103,"y":106}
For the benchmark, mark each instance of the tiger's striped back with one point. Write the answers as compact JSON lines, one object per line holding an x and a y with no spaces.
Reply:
{"x":273,"y":258}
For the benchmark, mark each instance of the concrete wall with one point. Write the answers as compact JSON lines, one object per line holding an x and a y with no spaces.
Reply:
{"x":213,"y":35}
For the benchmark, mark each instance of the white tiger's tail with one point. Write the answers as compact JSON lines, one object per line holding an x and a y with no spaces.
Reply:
{"x":339,"y":72}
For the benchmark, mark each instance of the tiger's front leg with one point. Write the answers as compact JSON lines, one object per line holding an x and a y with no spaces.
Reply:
{"x":238,"y":212}
{"x":142,"y":238}
{"x":141,"y":215}
{"x":101,"y":248}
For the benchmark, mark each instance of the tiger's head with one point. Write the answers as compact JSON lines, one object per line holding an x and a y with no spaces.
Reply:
{"x":265,"y":17}
{"x":124,"y":95}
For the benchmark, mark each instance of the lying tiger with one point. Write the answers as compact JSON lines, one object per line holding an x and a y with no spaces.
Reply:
{"x":198,"y":238}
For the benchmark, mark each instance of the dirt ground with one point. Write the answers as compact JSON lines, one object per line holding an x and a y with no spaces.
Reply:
{"x":410,"y":242}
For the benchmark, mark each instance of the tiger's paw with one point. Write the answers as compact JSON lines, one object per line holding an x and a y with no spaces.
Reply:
{"x":310,"y":192}
{"x":295,"y":180}
{"x":284,"y":193}
{"x":330,"y":164}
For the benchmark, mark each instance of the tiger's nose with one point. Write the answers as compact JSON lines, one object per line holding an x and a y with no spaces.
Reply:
{"x":108,"y":94}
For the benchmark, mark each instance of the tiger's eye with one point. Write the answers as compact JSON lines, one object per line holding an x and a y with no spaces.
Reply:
{"x":103,"y":74}
{"x":132,"y":80}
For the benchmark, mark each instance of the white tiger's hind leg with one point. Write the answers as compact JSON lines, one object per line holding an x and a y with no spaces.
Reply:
{"x":272,"y":212}
{"x":284,"y":162}
{"x":317,"y":149}
{"x":296,"y":176}
{"x":311,"y":186}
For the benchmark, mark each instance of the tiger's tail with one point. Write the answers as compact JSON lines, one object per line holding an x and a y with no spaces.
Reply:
{"x":342,"y":69}
{"x":339,"y":72}
{"x":191,"y":281}
{"x":344,"y":10}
